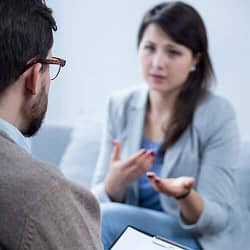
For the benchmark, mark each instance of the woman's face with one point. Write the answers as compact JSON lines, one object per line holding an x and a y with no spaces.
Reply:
{"x":165,"y":64}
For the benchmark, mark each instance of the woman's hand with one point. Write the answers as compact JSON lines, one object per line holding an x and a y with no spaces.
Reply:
{"x":191,"y":206}
{"x":172,"y":186}
{"x":123,"y":173}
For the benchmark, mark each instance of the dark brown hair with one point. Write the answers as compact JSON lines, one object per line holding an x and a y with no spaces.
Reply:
{"x":183,"y":24}
{"x":25,"y":32}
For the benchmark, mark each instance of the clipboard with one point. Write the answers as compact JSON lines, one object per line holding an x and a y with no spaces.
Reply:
{"x":133,"y":238}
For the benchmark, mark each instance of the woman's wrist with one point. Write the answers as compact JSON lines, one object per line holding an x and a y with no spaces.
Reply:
{"x":115,"y":194}
{"x":191,"y":207}
{"x":184,"y":195}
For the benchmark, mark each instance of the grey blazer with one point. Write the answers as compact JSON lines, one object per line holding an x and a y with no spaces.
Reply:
{"x":207,"y":150}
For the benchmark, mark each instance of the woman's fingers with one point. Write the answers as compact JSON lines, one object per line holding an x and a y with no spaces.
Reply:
{"x":145,"y":162}
{"x":152,"y":176}
{"x":171,"y":187}
{"x":136,"y":165}
{"x":162,"y":185}
{"x":138,"y":158}
{"x":189,"y":182}
{"x":116,"y":151}
{"x":154,"y":179}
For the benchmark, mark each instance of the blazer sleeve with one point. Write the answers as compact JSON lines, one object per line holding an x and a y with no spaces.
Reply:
{"x":103,"y":161}
{"x":219,"y":153}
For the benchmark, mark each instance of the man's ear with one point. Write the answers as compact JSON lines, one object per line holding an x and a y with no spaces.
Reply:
{"x":32,"y":82}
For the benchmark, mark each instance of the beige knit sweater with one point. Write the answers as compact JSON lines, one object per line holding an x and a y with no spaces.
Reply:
{"x":40,"y":209}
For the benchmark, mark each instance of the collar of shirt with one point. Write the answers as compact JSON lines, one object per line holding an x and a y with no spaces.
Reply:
{"x":14,"y":134}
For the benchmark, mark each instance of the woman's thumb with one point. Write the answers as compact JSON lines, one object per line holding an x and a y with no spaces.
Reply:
{"x":116,"y":151}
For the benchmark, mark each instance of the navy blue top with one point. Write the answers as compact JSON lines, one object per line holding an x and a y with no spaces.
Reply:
{"x":148,"y":197}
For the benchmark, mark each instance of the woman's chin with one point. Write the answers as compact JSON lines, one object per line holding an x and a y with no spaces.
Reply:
{"x":157,"y":87}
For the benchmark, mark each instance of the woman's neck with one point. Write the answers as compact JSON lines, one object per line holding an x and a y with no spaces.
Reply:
{"x":160,"y":110}
{"x":161,"y":105}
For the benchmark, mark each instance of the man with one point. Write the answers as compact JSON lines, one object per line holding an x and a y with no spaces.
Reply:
{"x":39,"y":208}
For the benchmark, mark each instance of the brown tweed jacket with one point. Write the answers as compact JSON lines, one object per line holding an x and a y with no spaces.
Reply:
{"x":40,"y":208}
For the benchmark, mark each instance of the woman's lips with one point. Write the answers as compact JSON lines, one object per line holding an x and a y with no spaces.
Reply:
{"x":157,"y":77}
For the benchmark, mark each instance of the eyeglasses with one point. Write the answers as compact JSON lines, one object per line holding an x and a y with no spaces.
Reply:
{"x":55,"y":65}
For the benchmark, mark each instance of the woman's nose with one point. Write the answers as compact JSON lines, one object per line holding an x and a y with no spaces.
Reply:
{"x":159,"y":60}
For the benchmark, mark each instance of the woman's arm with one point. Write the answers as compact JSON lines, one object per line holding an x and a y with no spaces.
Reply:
{"x":113,"y":175}
{"x":191,"y":207}
{"x":206,"y":208}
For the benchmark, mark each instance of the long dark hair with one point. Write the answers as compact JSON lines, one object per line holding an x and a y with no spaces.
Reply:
{"x":184,"y":25}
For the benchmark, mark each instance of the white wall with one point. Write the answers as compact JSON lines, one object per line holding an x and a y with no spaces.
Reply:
{"x":98,"y":40}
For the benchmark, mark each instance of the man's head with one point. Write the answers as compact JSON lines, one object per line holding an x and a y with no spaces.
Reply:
{"x":25,"y":33}
{"x":26,"y":39}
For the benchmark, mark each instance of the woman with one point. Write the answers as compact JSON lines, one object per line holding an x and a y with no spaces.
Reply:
{"x":167,"y":156}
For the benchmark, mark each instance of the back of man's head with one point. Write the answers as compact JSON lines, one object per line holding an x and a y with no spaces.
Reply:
{"x":25,"y":33}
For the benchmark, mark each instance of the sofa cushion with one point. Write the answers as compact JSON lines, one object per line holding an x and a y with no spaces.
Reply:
{"x":79,"y":160}
{"x":50,"y":142}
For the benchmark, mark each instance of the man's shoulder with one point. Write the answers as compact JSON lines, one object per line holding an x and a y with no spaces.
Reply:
{"x":24,"y":179}
{"x":36,"y":197}
{"x":20,"y":171}
{"x":23,"y":182}
{"x":17,"y":162}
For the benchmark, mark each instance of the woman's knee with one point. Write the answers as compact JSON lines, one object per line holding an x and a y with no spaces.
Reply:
{"x":109,"y":209}
{"x":111,"y":212}
{"x":121,"y":214}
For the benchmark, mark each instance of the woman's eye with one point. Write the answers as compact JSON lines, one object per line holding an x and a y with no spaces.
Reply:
{"x":149,"y":48}
{"x":174,"y":53}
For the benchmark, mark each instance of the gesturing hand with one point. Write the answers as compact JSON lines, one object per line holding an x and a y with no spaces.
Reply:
{"x":171,"y":186}
{"x":122,"y":173}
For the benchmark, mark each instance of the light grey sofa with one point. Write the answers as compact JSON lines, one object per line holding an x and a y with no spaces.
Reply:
{"x":51,"y":144}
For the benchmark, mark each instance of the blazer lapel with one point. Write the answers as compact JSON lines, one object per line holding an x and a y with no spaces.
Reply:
{"x":173,"y":153}
{"x":136,"y":119}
